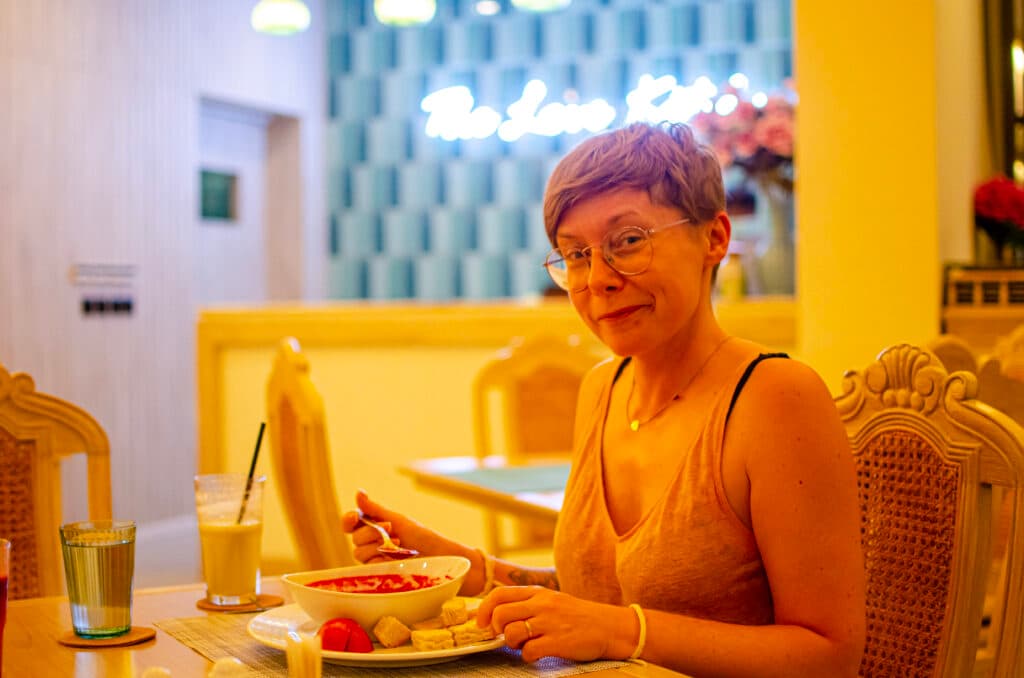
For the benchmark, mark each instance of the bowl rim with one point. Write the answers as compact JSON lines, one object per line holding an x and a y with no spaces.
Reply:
{"x":315,"y":575}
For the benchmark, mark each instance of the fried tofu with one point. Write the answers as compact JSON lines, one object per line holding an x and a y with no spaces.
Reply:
{"x":454,"y":612}
{"x":432,"y":639}
{"x":391,"y":632}
{"x":468,"y":633}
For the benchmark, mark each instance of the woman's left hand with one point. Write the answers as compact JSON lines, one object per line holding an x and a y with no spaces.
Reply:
{"x":544,"y":623}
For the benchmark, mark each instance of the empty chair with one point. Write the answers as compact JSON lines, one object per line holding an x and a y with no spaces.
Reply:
{"x":955,"y":353}
{"x":301,"y":461}
{"x":1010,"y":351}
{"x":928,"y":456}
{"x":37,"y":432}
{"x":524,"y":407}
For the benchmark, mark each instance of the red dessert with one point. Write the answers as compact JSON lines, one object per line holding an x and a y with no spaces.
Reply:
{"x":379,"y":583}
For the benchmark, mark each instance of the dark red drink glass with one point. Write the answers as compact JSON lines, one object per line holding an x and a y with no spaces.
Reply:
{"x":5,"y":569}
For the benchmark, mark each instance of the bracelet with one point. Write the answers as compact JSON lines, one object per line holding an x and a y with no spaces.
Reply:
{"x":642,"y":641}
{"x":489,"y":582}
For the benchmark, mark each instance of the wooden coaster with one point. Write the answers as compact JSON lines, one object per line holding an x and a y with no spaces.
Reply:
{"x":263,"y":602}
{"x":137,"y":634}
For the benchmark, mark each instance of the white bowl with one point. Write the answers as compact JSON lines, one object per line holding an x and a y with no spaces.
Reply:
{"x":367,"y":608}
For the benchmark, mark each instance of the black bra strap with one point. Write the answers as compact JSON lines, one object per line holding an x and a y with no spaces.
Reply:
{"x":622,"y":366}
{"x":746,"y":376}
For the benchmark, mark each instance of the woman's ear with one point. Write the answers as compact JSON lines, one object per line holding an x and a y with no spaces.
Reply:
{"x":719,"y":233}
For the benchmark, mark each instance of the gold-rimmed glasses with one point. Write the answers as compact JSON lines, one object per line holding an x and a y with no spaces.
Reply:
{"x":627,"y":250}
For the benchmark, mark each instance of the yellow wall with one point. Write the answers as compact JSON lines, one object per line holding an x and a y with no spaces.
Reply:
{"x":396,"y":383}
{"x":869,"y":271}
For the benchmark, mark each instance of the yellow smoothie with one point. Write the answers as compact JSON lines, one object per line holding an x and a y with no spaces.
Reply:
{"x":231,"y":560}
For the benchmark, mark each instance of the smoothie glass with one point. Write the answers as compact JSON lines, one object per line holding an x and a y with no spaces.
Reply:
{"x":230,"y":512}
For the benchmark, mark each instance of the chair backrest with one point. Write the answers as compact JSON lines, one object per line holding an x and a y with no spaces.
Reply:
{"x":37,"y":432}
{"x":526,"y":396}
{"x":955,"y":353}
{"x":1010,"y":352}
{"x":1001,"y":391}
{"x":301,"y":460}
{"x":928,"y":455}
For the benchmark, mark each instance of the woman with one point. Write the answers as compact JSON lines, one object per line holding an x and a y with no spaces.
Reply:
{"x":710,"y":522}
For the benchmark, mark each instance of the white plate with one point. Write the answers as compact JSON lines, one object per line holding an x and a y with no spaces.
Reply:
{"x":271,"y":628}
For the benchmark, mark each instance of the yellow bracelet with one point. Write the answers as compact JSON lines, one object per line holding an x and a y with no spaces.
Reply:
{"x":489,"y":582}
{"x":643,"y":631}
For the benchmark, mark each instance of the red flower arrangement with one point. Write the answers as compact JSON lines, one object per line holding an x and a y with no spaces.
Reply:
{"x":999,"y":210}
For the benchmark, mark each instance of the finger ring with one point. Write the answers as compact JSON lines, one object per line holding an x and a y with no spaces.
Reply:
{"x":529,"y":629}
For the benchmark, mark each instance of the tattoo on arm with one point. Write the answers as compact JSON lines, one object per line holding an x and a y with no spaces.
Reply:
{"x":547,"y":578}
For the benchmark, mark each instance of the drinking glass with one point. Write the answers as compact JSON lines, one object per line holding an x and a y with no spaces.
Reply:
{"x":5,"y":570}
{"x":99,"y":564}
{"x":230,"y":513}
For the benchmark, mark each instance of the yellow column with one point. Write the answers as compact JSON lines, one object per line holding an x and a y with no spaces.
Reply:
{"x":868,"y":271}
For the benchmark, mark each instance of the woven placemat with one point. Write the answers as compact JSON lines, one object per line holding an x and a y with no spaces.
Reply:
{"x":224,"y":635}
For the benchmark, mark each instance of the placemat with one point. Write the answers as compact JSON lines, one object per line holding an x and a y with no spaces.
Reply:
{"x":512,"y":479}
{"x":224,"y":635}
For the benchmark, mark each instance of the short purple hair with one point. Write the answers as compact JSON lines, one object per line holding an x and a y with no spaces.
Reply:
{"x":665,"y":160}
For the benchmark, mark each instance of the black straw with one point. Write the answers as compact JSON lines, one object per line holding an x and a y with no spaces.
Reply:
{"x":252,"y":470}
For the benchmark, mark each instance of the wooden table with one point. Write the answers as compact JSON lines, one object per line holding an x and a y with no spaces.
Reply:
{"x":31,"y":649}
{"x":532,"y":491}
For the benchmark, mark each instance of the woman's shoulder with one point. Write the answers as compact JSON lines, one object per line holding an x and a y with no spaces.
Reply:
{"x":786,"y":405}
{"x":778,"y":379}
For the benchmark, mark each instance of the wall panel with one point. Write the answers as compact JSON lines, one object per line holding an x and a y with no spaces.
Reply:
{"x":99,"y":106}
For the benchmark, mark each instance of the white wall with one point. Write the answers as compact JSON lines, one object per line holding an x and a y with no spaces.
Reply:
{"x":99,"y":154}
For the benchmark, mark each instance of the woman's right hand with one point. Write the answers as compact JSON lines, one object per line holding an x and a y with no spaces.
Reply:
{"x":409,"y":533}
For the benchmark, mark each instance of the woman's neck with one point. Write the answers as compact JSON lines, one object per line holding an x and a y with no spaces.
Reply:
{"x":671,"y":370}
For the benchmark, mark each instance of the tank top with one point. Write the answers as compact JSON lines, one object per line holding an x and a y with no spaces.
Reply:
{"x":690,"y":554}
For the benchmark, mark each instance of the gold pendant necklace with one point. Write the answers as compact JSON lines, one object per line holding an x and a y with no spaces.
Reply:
{"x":635,"y":422}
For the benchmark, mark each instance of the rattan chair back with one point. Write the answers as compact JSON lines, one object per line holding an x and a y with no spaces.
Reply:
{"x":37,"y":432}
{"x":928,"y":455}
{"x":301,"y":461}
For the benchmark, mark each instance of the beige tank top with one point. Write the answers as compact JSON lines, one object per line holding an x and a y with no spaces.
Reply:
{"x":690,"y":554}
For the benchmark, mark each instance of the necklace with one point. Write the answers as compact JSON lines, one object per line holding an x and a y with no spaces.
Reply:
{"x":636,"y":423}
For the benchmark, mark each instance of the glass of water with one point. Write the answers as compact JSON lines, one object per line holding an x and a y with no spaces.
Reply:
{"x":99,"y":563}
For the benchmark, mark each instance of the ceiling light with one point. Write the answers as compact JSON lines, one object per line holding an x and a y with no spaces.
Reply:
{"x":404,"y":12}
{"x":487,"y":7}
{"x":280,"y":17}
{"x":541,"y":5}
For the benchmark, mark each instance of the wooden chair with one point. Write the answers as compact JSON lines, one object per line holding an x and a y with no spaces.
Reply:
{"x":301,"y":461}
{"x":524,"y":407}
{"x":928,"y":455}
{"x":1010,"y":352}
{"x":1005,"y":394}
{"x":37,"y":432}
{"x":955,"y":353}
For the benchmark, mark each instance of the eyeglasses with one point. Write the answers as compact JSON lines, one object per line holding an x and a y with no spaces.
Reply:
{"x":627,"y":250}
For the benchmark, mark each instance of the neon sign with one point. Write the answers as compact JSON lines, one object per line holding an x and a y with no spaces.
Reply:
{"x":453,"y":114}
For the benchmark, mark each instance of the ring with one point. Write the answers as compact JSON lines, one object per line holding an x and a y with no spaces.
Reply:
{"x":529,"y":629}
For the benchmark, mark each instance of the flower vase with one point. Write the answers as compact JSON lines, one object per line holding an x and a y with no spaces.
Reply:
{"x":777,"y":262}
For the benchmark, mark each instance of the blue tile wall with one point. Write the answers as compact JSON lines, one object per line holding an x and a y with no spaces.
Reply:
{"x":418,"y":217}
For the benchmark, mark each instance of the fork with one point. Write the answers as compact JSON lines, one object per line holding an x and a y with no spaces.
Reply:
{"x":388,"y":548}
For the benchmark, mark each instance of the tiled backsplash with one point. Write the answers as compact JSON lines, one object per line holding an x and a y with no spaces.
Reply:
{"x":418,"y":217}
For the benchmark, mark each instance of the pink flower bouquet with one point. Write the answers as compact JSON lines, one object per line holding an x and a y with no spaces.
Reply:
{"x":757,"y":139}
